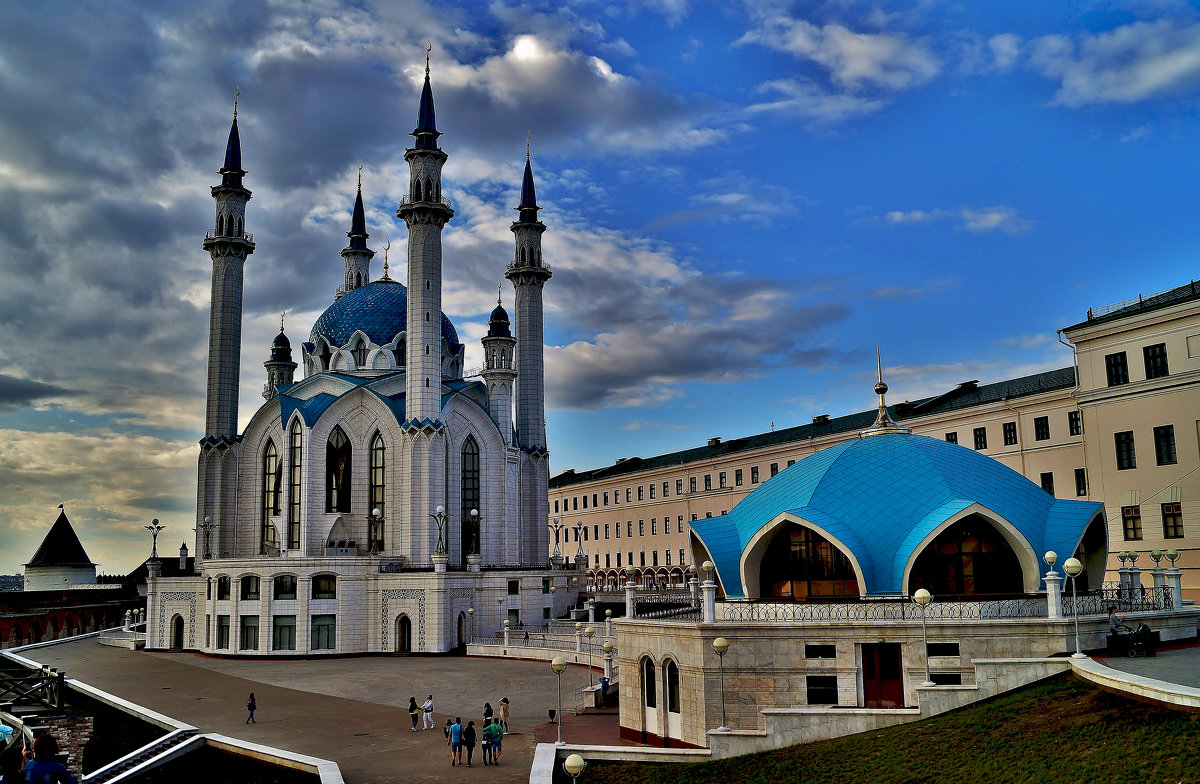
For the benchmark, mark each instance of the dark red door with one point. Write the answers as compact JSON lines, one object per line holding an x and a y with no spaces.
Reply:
{"x":883,"y":680}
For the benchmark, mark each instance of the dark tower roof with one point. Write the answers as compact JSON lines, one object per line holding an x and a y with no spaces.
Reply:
{"x":281,"y":348}
{"x":61,"y":547}
{"x":528,"y":207}
{"x":231,"y":172}
{"x":498,"y":323}
{"x":426,"y":131}
{"x":358,"y":224}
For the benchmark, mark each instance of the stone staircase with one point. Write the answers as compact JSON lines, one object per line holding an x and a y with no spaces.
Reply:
{"x":156,"y":750}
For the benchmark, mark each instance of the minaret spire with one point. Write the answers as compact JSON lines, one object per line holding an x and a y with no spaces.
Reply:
{"x":426,"y":130}
{"x":357,"y":255}
{"x":229,"y":245}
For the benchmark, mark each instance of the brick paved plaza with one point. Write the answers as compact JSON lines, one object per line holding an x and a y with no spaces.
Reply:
{"x":350,"y":710}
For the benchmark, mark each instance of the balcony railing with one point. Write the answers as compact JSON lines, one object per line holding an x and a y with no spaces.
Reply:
{"x":406,"y":201}
{"x":212,"y":234}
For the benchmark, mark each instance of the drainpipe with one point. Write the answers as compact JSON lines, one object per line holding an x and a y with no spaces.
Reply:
{"x":1020,"y":437}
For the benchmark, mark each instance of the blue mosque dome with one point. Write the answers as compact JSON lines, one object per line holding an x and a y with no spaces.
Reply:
{"x":379,"y":309}
{"x":881,"y":499}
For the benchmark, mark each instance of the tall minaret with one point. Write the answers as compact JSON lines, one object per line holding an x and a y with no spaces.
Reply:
{"x":498,"y":373}
{"x":357,"y":254}
{"x":424,"y":212}
{"x":528,"y":274}
{"x":229,"y":245}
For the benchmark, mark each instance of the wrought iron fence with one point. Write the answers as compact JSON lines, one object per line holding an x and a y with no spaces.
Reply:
{"x":1135,"y":599}
{"x":548,"y":642}
{"x":886,"y":610}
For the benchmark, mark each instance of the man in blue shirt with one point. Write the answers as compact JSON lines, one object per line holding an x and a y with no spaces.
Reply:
{"x":456,"y":740}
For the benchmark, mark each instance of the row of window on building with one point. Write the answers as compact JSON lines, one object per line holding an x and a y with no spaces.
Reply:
{"x":1172,"y":521}
{"x":324,"y":586}
{"x":1116,"y":366}
{"x":322,"y":632}
{"x":694,"y":484}
{"x":609,"y":563}
{"x":1041,"y":431}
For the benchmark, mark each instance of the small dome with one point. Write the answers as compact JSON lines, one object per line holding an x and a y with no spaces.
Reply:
{"x":379,"y":309}
{"x":498,"y":323}
{"x":281,"y":348}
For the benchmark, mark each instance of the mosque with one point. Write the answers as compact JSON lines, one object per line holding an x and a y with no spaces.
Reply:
{"x":384,"y":502}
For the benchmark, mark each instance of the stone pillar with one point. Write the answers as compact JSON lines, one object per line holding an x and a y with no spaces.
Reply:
{"x":1158,"y":576}
{"x":591,"y":611}
{"x":1053,"y":594}
{"x":1135,"y":582}
{"x":608,"y":661}
{"x":694,"y":587}
{"x":506,"y":632}
{"x":579,"y":638}
{"x":439,"y":561}
{"x":1175,"y":581}
{"x":630,"y":593}
{"x":709,"y":604}
{"x":608,"y":630}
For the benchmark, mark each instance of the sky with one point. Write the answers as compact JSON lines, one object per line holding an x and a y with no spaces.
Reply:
{"x":743,"y":199}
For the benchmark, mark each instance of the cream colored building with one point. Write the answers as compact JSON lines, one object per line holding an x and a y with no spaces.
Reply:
{"x":1127,"y":434}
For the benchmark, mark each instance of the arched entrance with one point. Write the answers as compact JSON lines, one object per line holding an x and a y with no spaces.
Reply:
{"x":672,"y":694}
{"x":177,"y":633}
{"x":969,"y":558}
{"x":462,"y":630}
{"x":798,"y":563}
{"x":403,"y":634}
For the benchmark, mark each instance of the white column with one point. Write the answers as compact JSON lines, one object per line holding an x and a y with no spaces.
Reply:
{"x":1175,"y":580}
{"x":709,"y":611}
{"x":1053,"y":594}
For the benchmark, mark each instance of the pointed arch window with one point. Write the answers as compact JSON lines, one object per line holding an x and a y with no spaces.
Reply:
{"x":378,"y":460}
{"x":326,"y":355}
{"x":238,"y":228}
{"x":672,"y":678}
{"x":399,"y":353}
{"x":359,"y":353}
{"x":428,"y":189}
{"x":470,"y":496}
{"x":271,"y":480}
{"x":221,"y":225}
{"x":337,"y":471}
{"x":296,"y":466}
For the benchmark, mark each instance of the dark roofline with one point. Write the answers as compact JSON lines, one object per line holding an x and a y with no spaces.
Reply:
{"x":963,"y":396}
{"x":1164,"y":299}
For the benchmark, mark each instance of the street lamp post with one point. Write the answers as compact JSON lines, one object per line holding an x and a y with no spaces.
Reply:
{"x":441,"y":517}
{"x":922,"y":598}
{"x":155,"y":529}
{"x":580,"y":556}
{"x":559,"y":665}
{"x":1073,"y":567}
{"x":589,"y":632}
{"x":556,"y":557}
{"x":721,"y":645}
{"x":207,"y":527}
{"x":375,"y":540}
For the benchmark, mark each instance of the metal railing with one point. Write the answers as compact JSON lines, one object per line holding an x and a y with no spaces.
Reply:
{"x":409,"y":200}
{"x":1135,"y":599}
{"x":886,"y":610}
{"x":549,"y":642}
{"x":212,"y":234}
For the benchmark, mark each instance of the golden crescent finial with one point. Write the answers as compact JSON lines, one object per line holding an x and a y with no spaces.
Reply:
{"x":387,"y":244}
{"x":236,"y":92}
{"x":428,"y":49}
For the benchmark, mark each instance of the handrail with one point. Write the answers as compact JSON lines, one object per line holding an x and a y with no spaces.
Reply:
{"x":406,"y":201}
{"x":212,"y":234}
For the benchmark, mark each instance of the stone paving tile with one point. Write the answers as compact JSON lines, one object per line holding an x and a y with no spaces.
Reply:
{"x":350,"y":710}
{"x":1174,"y":665}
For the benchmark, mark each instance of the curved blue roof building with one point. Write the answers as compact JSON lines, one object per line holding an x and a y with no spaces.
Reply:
{"x":883,"y":501}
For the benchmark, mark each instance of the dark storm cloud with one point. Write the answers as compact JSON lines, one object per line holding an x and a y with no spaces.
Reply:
{"x":20,"y":392}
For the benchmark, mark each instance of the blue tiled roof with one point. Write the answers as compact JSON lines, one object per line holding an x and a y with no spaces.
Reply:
{"x":881,"y":496}
{"x":379,"y":309}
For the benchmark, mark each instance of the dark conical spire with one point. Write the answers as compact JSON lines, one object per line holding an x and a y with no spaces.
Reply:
{"x":358,"y":224}
{"x":426,"y":131}
{"x":528,"y":206}
{"x":231,"y":172}
{"x":61,"y":546}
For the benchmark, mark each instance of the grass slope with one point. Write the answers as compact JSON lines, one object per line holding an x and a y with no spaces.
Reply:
{"x":1059,"y":730}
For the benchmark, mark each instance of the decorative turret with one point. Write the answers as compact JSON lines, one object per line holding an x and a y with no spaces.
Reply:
{"x":357,"y":255}
{"x":280,"y":367}
{"x":498,"y":372}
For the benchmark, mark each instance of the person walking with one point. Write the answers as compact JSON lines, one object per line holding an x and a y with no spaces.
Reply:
{"x":487,"y":713}
{"x":446,"y":729}
{"x":427,"y":712}
{"x":469,"y":739}
{"x":486,"y":743}
{"x":413,"y":711}
{"x":455,"y":742}
{"x":504,"y":712}
{"x":251,"y":706}
{"x":497,"y":736}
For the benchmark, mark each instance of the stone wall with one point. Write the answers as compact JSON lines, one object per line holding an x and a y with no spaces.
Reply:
{"x":72,"y":734}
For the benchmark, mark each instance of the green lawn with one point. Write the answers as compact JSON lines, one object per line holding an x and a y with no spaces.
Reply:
{"x":1059,"y":730}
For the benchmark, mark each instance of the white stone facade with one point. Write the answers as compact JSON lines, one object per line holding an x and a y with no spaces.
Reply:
{"x":333,"y":485}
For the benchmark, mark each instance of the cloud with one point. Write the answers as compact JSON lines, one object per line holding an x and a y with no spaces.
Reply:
{"x":822,"y":108}
{"x":853,"y":60}
{"x":1005,"y":49}
{"x":1138,"y":133}
{"x":1137,"y":62}
{"x":974,"y":219}
{"x":16,"y":393}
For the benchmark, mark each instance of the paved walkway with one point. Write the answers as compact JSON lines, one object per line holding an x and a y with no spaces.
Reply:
{"x":1175,"y":665}
{"x":350,"y":710}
